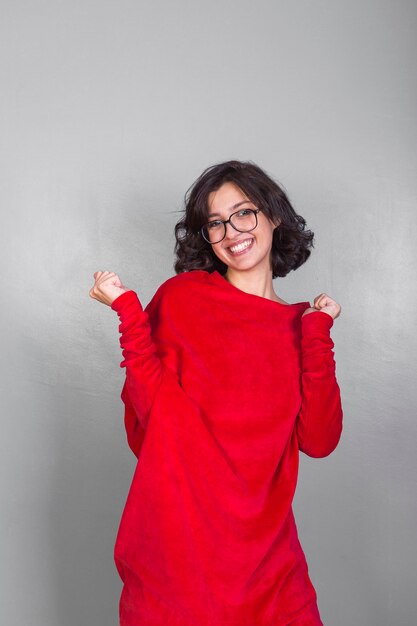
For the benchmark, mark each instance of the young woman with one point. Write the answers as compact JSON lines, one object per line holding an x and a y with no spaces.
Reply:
{"x":225,"y":383}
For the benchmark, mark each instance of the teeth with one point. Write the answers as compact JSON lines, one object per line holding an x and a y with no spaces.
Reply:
{"x":241,"y":246}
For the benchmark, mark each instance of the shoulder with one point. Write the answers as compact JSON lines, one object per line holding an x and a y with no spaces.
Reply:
{"x":182,"y":283}
{"x":175,"y":289}
{"x":185,"y":280}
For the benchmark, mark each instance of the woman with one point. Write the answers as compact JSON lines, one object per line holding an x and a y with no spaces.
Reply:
{"x":225,"y":383}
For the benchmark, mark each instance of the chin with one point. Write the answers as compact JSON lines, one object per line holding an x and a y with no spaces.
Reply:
{"x":243,"y":266}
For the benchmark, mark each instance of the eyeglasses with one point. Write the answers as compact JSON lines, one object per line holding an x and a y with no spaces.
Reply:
{"x":243,"y":221}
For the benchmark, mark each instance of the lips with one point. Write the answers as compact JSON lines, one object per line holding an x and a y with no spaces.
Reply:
{"x":241,"y":246}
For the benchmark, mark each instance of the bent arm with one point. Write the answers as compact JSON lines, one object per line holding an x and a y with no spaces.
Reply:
{"x":319,"y":423}
{"x":144,"y":368}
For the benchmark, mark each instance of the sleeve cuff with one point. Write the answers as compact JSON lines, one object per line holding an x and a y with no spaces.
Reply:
{"x":318,"y":320}
{"x":124,"y":300}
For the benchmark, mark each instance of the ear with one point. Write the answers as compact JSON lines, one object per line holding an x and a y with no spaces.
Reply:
{"x":277,"y":221}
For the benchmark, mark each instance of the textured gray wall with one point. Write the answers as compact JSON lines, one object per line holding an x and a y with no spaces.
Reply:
{"x":109,"y":111}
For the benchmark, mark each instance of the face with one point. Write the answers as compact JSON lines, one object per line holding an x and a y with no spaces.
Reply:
{"x":240,"y":251}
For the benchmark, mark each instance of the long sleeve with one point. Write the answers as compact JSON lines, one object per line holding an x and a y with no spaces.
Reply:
{"x":143,"y":366}
{"x":319,"y":423}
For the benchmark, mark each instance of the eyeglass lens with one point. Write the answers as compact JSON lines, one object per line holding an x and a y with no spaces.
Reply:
{"x":242,"y":221}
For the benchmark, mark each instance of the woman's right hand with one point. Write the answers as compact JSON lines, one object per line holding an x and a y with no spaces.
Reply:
{"x":107,"y":287}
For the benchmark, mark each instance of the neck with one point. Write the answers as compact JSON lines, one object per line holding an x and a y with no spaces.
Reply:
{"x":256,"y":281}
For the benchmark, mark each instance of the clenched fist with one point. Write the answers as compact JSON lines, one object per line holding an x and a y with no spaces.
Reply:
{"x":107,"y":287}
{"x":324,"y":303}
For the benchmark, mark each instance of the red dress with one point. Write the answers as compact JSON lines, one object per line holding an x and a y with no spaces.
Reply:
{"x":222,"y":390}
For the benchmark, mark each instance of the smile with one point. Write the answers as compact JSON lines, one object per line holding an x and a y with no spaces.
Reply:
{"x":241,"y":246}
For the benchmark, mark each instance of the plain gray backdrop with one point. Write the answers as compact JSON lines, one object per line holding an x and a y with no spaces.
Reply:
{"x":109,"y":111}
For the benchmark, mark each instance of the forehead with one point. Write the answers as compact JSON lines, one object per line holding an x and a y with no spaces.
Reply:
{"x":223,"y":201}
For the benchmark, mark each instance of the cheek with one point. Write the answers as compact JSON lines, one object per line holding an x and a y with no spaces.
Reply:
{"x":267,"y":240}
{"x":269,"y":234}
{"x":217,"y":251}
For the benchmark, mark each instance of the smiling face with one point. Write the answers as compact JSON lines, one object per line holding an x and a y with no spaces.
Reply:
{"x":241,"y":251}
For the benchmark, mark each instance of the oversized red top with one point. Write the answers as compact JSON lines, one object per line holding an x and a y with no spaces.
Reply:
{"x":223,"y":388}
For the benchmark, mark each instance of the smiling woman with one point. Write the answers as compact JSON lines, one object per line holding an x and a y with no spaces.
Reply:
{"x":239,"y":251}
{"x":225,"y":384}
{"x":219,"y":191}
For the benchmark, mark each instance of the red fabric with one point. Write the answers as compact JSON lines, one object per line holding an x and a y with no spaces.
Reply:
{"x":222,"y":390}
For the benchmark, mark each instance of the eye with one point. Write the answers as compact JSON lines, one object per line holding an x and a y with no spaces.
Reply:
{"x":214,"y":224}
{"x":244,"y":212}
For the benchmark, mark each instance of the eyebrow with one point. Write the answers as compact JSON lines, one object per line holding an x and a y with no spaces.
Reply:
{"x":235,"y":206}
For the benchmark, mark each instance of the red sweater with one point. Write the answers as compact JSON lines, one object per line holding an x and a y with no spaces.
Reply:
{"x":222,"y":390}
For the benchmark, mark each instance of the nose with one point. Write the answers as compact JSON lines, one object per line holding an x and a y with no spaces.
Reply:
{"x":231,"y":232}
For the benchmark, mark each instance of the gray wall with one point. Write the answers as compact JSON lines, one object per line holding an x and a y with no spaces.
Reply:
{"x":109,"y":111}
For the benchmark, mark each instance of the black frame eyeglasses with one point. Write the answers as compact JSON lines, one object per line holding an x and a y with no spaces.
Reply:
{"x":205,"y":229}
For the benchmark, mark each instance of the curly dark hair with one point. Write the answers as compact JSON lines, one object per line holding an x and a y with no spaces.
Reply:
{"x":291,"y":241}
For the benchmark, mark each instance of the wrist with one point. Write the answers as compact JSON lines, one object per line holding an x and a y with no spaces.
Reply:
{"x":121,"y":299}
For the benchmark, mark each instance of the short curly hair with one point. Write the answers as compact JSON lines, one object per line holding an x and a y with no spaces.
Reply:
{"x":291,"y":241}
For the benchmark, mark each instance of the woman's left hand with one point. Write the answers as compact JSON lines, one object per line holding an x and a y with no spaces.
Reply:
{"x":326,"y":304}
